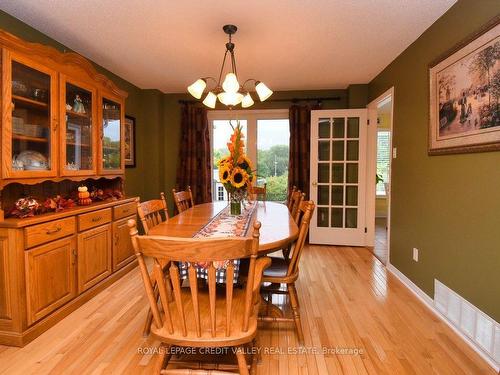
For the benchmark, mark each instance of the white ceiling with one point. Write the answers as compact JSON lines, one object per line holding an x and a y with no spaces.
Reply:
{"x":294,"y":44}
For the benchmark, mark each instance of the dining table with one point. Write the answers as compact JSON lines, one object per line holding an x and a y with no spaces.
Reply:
{"x":278,"y":229}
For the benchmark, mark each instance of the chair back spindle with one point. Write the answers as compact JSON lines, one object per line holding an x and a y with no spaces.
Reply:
{"x":295,"y":199}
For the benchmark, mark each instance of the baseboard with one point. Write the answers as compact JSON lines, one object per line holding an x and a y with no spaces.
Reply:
{"x":429,"y":302}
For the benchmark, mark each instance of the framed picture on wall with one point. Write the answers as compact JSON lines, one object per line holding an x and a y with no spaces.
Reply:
{"x":465,"y":95}
{"x":129,"y":142}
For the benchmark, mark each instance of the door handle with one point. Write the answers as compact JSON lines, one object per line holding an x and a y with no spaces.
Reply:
{"x":314,"y":184}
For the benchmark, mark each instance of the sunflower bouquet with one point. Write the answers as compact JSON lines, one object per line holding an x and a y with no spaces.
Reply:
{"x":235,"y":170}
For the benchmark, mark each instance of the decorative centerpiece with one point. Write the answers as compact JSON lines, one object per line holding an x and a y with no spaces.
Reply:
{"x":235,"y":170}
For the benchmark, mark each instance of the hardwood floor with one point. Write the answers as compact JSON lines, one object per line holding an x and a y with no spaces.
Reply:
{"x":380,"y":248}
{"x":348,"y":302}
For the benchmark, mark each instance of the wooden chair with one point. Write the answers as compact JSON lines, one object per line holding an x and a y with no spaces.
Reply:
{"x":289,"y":196}
{"x":256,"y":191}
{"x":295,"y":199}
{"x":195,"y":317}
{"x":153,"y":212}
{"x":286,"y":271}
{"x":183,"y":199}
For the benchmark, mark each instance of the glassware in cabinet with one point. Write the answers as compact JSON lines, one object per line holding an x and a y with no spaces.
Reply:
{"x":111,"y":136}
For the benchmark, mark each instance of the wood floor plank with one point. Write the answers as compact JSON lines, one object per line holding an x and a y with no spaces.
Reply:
{"x":347,"y":299}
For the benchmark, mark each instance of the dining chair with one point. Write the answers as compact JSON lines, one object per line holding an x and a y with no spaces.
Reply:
{"x":152,"y":213}
{"x":256,"y":191}
{"x":286,"y":271}
{"x":183,"y":199}
{"x":289,"y":195}
{"x":194,"y":317}
{"x":295,"y":199}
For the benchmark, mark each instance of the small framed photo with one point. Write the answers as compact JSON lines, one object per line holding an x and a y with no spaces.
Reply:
{"x":465,"y":95}
{"x":129,"y":142}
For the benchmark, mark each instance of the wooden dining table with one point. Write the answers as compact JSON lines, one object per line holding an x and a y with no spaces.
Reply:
{"x":277,"y":231}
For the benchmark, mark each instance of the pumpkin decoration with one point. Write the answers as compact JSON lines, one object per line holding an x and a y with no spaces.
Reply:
{"x":84,"y":196}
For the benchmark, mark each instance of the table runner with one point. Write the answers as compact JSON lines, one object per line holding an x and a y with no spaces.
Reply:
{"x":223,"y":225}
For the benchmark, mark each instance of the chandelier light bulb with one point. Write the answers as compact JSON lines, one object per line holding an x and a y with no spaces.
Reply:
{"x":230,"y":98}
{"x":231,"y":83}
{"x":196,"y":89}
{"x":263,"y":91}
{"x":210,"y":100}
{"x":247,"y":101}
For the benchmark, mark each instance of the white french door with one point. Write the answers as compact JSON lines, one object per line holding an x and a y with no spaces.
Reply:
{"x":338,"y":176}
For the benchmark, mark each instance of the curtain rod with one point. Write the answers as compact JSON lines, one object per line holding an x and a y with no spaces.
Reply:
{"x":291,"y":100}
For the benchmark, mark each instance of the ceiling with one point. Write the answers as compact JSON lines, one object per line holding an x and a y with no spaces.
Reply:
{"x":290,"y":45}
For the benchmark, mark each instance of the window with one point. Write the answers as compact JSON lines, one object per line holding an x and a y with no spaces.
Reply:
{"x":267,"y":138}
{"x":220,"y":193}
{"x":383,"y":159}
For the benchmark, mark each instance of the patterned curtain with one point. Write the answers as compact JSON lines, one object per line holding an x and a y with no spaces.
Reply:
{"x":300,"y":135}
{"x":194,"y":166}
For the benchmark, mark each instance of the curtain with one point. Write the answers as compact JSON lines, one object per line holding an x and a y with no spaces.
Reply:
{"x":300,"y":135}
{"x":194,"y":165}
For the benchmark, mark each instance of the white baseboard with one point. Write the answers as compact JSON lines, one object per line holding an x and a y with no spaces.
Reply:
{"x":429,"y":302}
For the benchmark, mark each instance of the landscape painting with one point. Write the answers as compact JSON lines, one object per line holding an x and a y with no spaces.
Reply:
{"x":465,"y":97}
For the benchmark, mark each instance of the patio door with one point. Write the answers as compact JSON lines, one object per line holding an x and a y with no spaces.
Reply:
{"x":338,"y":176}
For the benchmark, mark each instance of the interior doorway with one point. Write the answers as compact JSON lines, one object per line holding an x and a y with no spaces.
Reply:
{"x":381,"y":113}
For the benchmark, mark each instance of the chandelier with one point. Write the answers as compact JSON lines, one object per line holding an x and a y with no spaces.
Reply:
{"x":230,"y":93}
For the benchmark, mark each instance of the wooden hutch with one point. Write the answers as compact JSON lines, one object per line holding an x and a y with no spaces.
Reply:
{"x":62,"y":126}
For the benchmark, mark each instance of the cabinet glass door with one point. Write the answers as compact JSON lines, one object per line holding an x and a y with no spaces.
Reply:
{"x":111,"y":135}
{"x":31,"y":152}
{"x":78,"y":155}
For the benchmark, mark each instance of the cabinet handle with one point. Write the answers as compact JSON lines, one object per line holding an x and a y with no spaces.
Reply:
{"x":52,"y":231}
{"x":96,"y":219}
{"x":74,"y":256}
{"x":116,"y":239}
{"x":126,"y":211}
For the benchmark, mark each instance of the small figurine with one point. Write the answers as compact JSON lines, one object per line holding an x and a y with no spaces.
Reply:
{"x":68,"y":107}
{"x":78,"y":105}
{"x":84,"y":196}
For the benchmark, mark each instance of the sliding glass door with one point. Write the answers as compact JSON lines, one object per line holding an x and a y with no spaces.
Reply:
{"x":267,"y":138}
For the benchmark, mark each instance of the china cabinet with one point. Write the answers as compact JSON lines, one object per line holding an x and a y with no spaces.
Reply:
{"x":62,"y":127}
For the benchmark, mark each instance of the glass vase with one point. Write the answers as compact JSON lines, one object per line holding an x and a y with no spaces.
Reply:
{"x":235,"y":208}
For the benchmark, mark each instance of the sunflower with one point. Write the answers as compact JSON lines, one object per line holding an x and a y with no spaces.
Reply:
{"x":224,"y":173}
{"x":245,"y":163}
{"x":225,"y":160}
{"x":238,"y":177}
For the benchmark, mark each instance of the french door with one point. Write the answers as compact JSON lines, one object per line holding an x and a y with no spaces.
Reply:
{"x":338,"y":176}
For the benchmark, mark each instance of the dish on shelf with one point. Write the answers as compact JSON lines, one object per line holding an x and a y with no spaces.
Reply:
{"x":32,"y":160}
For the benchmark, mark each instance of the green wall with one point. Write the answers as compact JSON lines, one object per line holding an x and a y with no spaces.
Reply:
{"x":147,"y":113}
{"x":446,"y":206}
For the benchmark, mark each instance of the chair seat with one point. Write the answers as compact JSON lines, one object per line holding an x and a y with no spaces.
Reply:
{"x":236,"y":336}
{"x":278,"y":268}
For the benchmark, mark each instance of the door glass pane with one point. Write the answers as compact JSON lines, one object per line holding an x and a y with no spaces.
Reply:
{"x":322,"y":217}
{"x":337,"y":195}
{"x":338,"y":150}
{"x":338,"y":127}
{"x":78,"y":129}
{"x":323,"y":195}
{"x":338,"y":173}
{"x":111,"y":134}
{"x":31,"y":141}
{"x":352,"y":150}
{"x":324,"y":150}
{"x":323,"y":172}
{"x":352,"y":173}
{"x":353,"y":127}
{"x":273,"y":138}
{"x":337,"y":217}
{"x":324,"y":128}
{"x":351,"y":217}
{"x":351,"y":196}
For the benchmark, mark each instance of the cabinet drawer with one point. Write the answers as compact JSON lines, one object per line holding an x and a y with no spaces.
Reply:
{"x":42,"y":233}
{"x":124,"y":210}
{"x":94,"y":219}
